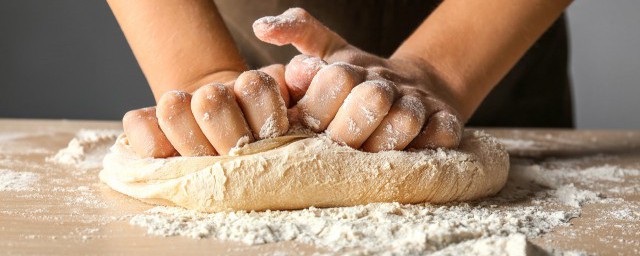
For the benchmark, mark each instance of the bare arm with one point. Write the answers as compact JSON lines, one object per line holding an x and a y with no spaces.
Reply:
{"x":204,"y":104}
{"x":472,"y":44}
{"x":447,"y":67}
{"x":179,"y":44}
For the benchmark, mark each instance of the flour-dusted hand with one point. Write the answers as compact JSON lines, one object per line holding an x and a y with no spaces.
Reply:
{"x":214,"y":119}
{"x":360,"y":99}
{"x":417,"y":98}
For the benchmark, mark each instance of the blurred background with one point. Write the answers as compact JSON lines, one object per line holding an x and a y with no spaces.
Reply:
{"x":68,"y":59}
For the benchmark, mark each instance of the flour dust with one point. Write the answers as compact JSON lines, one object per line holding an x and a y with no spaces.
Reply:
{"x":538,"y":198}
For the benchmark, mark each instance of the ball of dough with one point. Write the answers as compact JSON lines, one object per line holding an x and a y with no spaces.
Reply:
{"x":298,"y":171}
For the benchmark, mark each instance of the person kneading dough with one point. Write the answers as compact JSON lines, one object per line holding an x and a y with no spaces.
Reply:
{"x":362,"y":107}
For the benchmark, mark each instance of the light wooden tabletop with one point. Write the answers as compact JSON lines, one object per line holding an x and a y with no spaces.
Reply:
{"x":71,"y":212}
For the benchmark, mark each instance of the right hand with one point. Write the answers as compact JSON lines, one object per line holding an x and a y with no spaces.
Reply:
{"x":214,"y":118}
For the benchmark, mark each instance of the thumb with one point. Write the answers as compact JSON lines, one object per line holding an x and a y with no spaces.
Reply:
{"x":297,"y":27}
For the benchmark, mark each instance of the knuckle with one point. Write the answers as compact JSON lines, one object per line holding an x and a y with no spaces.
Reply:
{"x":138,"y":115}
{"x":304,"y":62}
{"x":298,"y":13}
{"x":173,"y":98}
{"x":336,"y":79}
{"x":353,"y":70}
{"x":450,"y":122}
{"x":413,"y":113}
{"x":299,"y":58}
{"x":210,"y":92}
{"x":336,"y":67}
{"x":448,"y":129}
{"x":253,"y":82}
{"x":447,"y":140}
{"x":248,"y":76}
{"x":210,"y":96}
{"x":335,"y":73}
{"x":378,"y":91}
{"x":413,"y":106}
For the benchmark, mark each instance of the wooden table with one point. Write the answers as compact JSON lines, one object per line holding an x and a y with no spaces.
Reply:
{"x":66,"y":212}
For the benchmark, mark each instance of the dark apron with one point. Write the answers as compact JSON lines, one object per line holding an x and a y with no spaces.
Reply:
{"x":535,"y":93}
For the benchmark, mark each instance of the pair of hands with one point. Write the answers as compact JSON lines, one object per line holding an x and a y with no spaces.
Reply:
{"x":359,"y":99}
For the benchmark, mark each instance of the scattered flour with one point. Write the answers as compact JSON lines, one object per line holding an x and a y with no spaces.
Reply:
{"x":626,"y":214}
{"x":86,"y":149}
{"x":368,"y":229}
{"x":269,"y":129}
{"x":368,"y":114}
{"x":516,"y":143}
{"x":17,"y":181}
{"x":572,"y":196}
{"x":4,"y":137}
{"x":547,"y":187}
{"x":597,"y":174}
{"x":353,"y":127}
{"x":392,"y":141}
{"x":500,"y":245}
{"x":311,"y":121}
{"x":560,"y":177}
{"x":496,"y":226}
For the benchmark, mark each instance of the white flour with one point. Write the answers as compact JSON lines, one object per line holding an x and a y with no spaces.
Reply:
{"x":495,"y":226}
{"x":557,"y":188}
{"x":560,"y":175}
{"x":572,"y":196}
{"x":86,"y":149}
{"x":516,"y":144}
{"x":17,"y":181}
{"x":369,"y":229}
{"x":269,"y":129}
{"x":510,"y":245}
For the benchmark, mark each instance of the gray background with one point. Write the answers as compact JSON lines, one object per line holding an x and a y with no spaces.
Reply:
{"x":605,"y":63}
{"x":68,"y":59}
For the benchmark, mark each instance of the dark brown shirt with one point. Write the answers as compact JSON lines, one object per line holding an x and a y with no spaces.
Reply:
{"x":535,"y":93}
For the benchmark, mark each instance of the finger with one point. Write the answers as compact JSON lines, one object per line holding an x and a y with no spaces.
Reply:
{"x":220,"y":118}
{"x":296,"y":26}
{"x":442,"y":130}
{"x":299,"y":73}
{"x":263,"y":107}
{"x":144,"y":134}
{"x":328,"y":90}
{"x":362,"y":111}
{"x":178,"y":124}
{"x":277,"y":72}
{"x":403,"y":123}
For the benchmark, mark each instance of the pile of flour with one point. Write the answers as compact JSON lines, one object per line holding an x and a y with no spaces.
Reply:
{"x":86,"y":149}
{"x":368,"y":229}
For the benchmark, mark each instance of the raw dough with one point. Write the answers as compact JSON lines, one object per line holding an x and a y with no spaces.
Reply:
{"x":298,"y":171}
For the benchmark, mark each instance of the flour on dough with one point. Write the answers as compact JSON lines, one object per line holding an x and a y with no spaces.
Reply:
{"x":298,"y":171}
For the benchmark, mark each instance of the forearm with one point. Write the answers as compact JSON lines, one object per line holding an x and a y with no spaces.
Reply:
{"x":472,"y":44}
{"x":178,"y":44}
